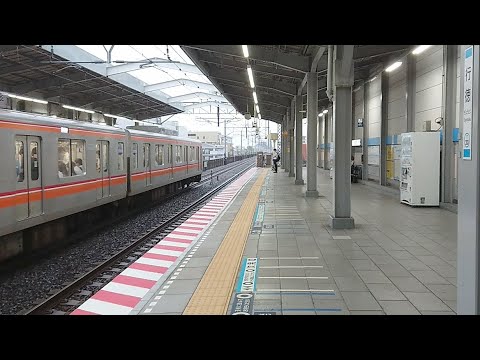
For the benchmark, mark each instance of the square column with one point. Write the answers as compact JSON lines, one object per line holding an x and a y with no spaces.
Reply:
{"x":298,"y":140}
{"x":292,"y":139}
{"x":468,"y":277}
{"x":342,"y":133}
{"x":326,"y":141}
{"x":284,"y":144}
{"x":312,"y":115}
{"x":287,"y":142}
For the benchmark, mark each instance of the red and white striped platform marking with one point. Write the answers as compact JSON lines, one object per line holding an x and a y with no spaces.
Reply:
{"x":126,"y":290}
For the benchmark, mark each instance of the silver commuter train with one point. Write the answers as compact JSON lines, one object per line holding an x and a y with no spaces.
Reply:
{"x":52,"y":167}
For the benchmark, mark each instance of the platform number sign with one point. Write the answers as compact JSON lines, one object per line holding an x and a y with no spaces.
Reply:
{"x":467,"y":103}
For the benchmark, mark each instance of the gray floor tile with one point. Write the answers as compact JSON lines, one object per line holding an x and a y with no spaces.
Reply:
{"x":357,"y":300}
{"x":198,"y":262}
{"x":431,"y":260}
{"x":444,"y":270}
{"x":297,"y":301}
{"x":326,"y":305}
{"x":172,"y":303}
{"x":355,"y":255}
{"x":401,"y":254}
{"x":373,"y":277}
{"x":438,"y":313}
{"x":417,"y":250}
{"x":373,"y":250}
{"x":428,"y":277}
{"x":444,"y":292}
{"x":426,"y":301}
{"x":413,"y":264}
{"x":451,"y":304}
{"x":398,"y":308}
{"x":192,"y":273}
{"x":385,"y":292}
{"x":363,"y":265}
{"x":394,"y":270}
{"x":350,"y":283}
{"x":409,"y":284}
{"x":298,"y":312}
{"x":383,"y":259}
{"x":183,"y":286}
{"x":352,"y":312}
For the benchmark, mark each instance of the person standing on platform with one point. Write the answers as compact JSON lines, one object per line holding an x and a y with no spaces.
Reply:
{"x":275,"y":158}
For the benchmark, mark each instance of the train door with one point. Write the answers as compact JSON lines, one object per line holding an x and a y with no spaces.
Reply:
{"x":103,"y":168}
{"x":147,"y":164}
{"x":198,"y":157}
{"x":28,"y":199}
{"x":170,"y":159}
{"x":186,"y":158}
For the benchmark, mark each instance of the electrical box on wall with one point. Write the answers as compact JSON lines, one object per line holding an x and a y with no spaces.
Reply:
{"x":420,"y":168}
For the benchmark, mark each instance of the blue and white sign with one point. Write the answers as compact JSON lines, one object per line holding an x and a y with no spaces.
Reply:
{"x":467,"y":103}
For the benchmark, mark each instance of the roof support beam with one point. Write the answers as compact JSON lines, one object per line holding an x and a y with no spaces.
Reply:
{"x":156,"y":62}
{"x":317,"y":57}
{"x":196,"y":95}
{"x":289,"y":61}
{"x":208,"y":103}
{"x":179,"y":82}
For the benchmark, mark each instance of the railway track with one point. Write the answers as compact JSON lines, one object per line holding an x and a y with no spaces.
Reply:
{"x":74,"y":294}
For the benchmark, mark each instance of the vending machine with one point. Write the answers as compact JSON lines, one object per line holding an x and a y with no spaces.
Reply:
{"x":420,"y":168}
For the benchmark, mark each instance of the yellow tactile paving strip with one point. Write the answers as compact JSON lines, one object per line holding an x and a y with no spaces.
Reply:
{"x":213,"y":294}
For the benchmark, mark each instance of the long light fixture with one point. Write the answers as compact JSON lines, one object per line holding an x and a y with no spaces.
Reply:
{"x":110,"y":115}
{"x":27,"y":99}
{"x":250,"y":76}
{"x":259,"y":116}
{"x":325,"y":111}
{"x":78,"y":109}
{"x":394,"y":66}
{"x":258,"y":109}
{"x":245,"y":50}
{"x":255,"y":97}
{"x":420,"y":49}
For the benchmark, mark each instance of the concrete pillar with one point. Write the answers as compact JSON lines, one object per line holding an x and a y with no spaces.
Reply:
{"x":284,"y":144}
{"x":298,"y":140}
{"x":292,"y":140}
{"x":312,"y":114}
{"x":366,"y":88}
{"x":342,"y":129}
{"x":468,"y":250}
{"x":384,"y":129}
{"x":326,"y":140}
{"x":319,"y":138}
{"x":411,"y":89}
{"x":287,"y":142}
{"x":449,"y":113}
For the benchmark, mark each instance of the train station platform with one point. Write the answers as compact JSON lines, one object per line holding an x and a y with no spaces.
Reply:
{"x":270,"y":251}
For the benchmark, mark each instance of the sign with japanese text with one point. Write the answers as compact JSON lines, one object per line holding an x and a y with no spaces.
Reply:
{"x":467,"y":103}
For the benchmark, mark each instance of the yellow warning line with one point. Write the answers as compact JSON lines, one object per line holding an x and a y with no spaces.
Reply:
{"x":213,"y":294}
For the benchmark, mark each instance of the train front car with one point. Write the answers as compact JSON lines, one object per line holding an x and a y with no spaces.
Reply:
{"x":52,"y":168}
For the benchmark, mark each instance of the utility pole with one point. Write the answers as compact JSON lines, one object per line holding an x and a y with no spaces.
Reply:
{"x":225,"y":140}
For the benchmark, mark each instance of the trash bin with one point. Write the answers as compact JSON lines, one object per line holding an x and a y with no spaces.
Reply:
{"x":260,"y":161}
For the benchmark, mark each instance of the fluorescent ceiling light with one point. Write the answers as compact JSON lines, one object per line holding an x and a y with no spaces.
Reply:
{"x":372,"y":79}
{"x":420,"y":49}
{"x":250,"y":76}
{"x":325,"y":111}
{"x":27,"y":99}
{"x":109,"y":115}
{"x":321,"y":114}
{"x":393,"y":66}
{"x":258,"y":109}
{"x":245,"y":50}
{"x":259,"y":116}
{"x":78,"y":109}
{"x":255,"y":97}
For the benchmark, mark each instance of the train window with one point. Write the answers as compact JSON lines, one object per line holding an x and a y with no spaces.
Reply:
{"x":34,"y":160}
{"x":178,"y":153}
{"x":71,"y":157}
{"x":159,"y":160}
{"x":78,"y":157}
{"x":97,"y":157}
{"x":134,"y":156}
{"x":19,"y":161}
{"x":105,"y":156}
{"x":63,"y":157}
{"x":146,"y":156}
{"x":170,"y":154}
{"x":121,"y":156}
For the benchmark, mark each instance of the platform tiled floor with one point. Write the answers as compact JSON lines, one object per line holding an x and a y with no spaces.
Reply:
{"x":397,"y":260}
